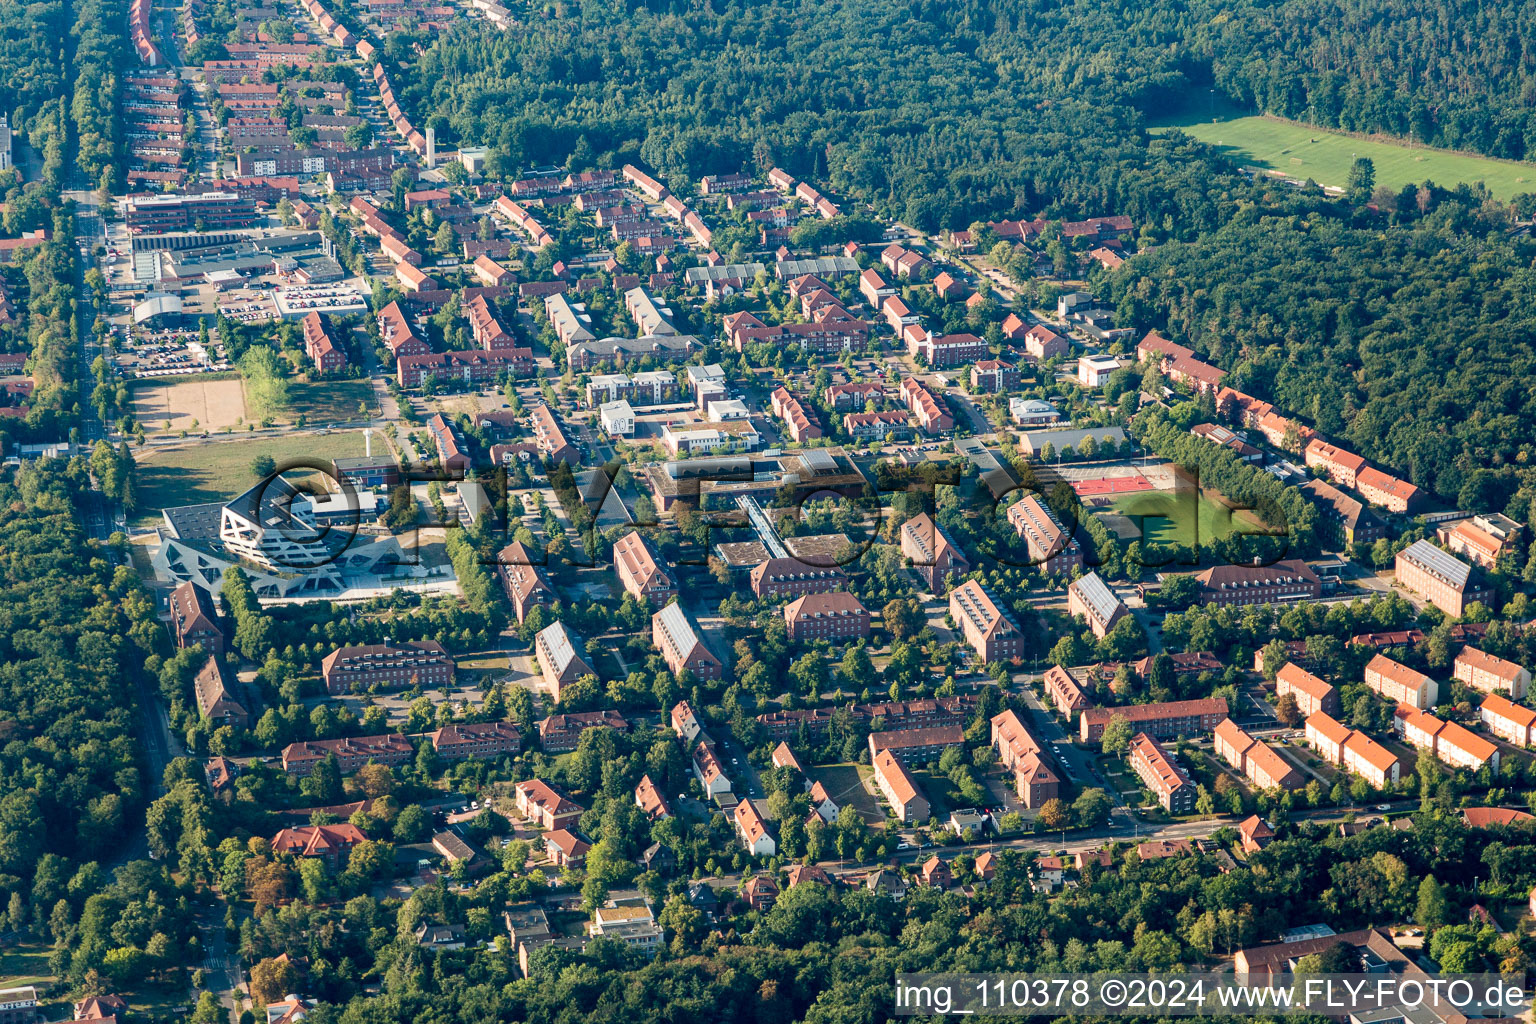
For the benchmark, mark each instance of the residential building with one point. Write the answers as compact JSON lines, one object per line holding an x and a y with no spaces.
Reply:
{"x":1019,"y":751}
{"x":1090,"y":597}
{"x":753,"y":830}
{"x":708,"y":769}
{"x":790,"y":577}
{"x":900,"y":789}
{"x":560,"y":733}
{"x":1481,"y":539}
{"x":761,"y":892}
{"x":320,"y":347}
{"x":1287,"y":580}
{"x":352,"y":752}
{"x":1450,"y":742}
{"x":629,"y":921}
{"x":1342,"y":466}
{"x":1042,"y":343}
{"x":538,"y":802}
{"x":617,"y":418}
{"x":1164,"y":721}
{"x":930,"y":413}
{"x":553,"y":446}
{"x":1352,"y":750}
{"x":525,"y":584}
{"x":193,"y":619}
{"x":559,"y":652}
{"x":460,"y":742}
{"x":931,"y":551}
{"x":1483,"y":671}
{"x":1168,"y":782}
{"x":1229,"y":439}
{"x":1093,"y":371}
{"x":990,"y":630}
{"x":640,"y":571}
{"x":1255,"y":833}
{"x":916,"y":746}
{"x":1063,"y":690}
{"x":993,"y":375}
{"x":452,"y":453}
{"x":681,"y":646}
{"x":877,"y":426}
{"x":1385,"y":490}
{"x":330,"y":843}
{"x":651,"y":800}
{"x":948,"y":350}
{"x":1347,"y":520}
{"x":651,"y":317}
{"x":798,"y":422}
{"x":854,"y":397}
{"x":1263,"y":766}
{"x":216,"y":701}
{"x":1443,"y":580}
{"x":1507,"y":720}
{"x":1310,"y":693}
{"x":685,"y":723}
{"x":1400,"y":684}
{"x":565,"y":848}
{"x":354,"y":669}
{"x":1051,"y":546}
{"x":834,"y":616}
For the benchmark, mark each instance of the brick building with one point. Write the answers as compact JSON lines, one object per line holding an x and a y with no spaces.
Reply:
{"x":417,"y":663}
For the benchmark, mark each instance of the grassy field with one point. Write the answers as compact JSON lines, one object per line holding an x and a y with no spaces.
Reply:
{"x":327,"y":401}
{"x":24,"y":964}
{"x":1301,"y":151}
{"x":1183,"y":519}
{"x":218,"y":470}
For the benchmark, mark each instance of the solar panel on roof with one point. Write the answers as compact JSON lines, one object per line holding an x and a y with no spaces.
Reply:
{"x":1438,"y":562}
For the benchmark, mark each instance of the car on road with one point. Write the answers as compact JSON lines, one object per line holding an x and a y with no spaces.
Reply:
{"x":1383,"y":807}
{"x":903,"y":846}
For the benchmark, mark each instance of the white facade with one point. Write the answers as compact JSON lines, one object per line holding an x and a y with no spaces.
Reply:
{"x":617,"y":418}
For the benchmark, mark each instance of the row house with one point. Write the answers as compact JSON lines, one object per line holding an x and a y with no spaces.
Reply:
{"x":1261,"y":765}
{"x":589,"y":181}
{"x":902,"y":262}
{"x":990,"y":376}
{"x":1310,"y":693}
{"x":916,"y":746}
{"x":1400,"y":684}
{"x":1507,"y":720}
{"x":948,"y":350}
{"x":390,"y":749}
{"x":1483,"y":671}
{"x":462,"y":741}
{"x":931,"y":415}
{"x":831,"y":335}
{"x":798,"y":423}
{"x":484,"y":327}
{"x":1449,"y":742}
{"x":1019,"y":752}
{"x":1164,"y":721}
{"x":1064,"y":691}
{"x":790,"y":577}
{"x":550,"y":437}
{"x":562,"y":733}
{"x":1442,"y":579}
{"x":421,"y":663}
{"x":1388,"y":491}
{"x":680,"y":645}
{"x":932,"y":552}
{"x":452,"y":453}
{"x":877,"y":426}
{"x":490,"y":273}
{"x":990,"y":631}
{"x":640,"y":570}
{"x":835,"y":616}
{"x":1050,"y":545}
{"x":1352,"y":750}
{"x":1341,"y":465}
{"x":1167,"y":781}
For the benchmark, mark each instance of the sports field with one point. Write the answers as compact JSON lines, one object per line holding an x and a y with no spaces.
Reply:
{"x":215,"y":470}
{"x":1184,"y":518}
{"x":1301,"y":151}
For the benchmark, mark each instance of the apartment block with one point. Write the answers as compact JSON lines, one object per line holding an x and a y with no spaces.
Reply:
{"x":1483,"y":671}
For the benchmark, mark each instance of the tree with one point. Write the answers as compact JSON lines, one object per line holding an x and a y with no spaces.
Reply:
{"x":1287,"y":710}
{"x":1091,"y":808}
{"x":263,"y":466}
{"x":1116,"y":738}
{"x":271,"y":979}
{"x":1361,"y":180}
{"x":1431,"y":912}
{"x":1054,"y":814}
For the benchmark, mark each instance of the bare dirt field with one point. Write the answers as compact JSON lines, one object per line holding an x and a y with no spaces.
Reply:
{"x":206,"y":404}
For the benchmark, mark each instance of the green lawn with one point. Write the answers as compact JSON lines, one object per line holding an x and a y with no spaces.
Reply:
{"x":327,"y":401}
{"x":218,"y":470}
{"x":24,"y":964}
{"x":1167,"y":518}
{"x":1301,"y":151}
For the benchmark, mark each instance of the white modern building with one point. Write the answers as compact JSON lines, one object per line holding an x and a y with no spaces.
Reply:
{"x":617,"y":418}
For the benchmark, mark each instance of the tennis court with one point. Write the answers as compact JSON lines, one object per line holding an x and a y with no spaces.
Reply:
{"x":1111,"y":485}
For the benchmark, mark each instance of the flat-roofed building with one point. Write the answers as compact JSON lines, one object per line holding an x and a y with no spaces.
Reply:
{"x":559,"y":653}
{"x":838,"y":615}
{"x":1481,"y":539}
{"x":933,"y":554}
{"x":1163,"y":721}
{"x":1507,"y":720}
{"x":1442,"y":579}
{"x":1090,"y":597}
{"x":1168,"y":782}
{"x":1051,"y":546}
{"x":1400,"y":684}
{"x":640,"y":571}
{"x":1311,"y":693}
{"x":990,"y":630}
{"x":681,"y":646}
{"x":1482,"y":671}
{"x":899,"y":788}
